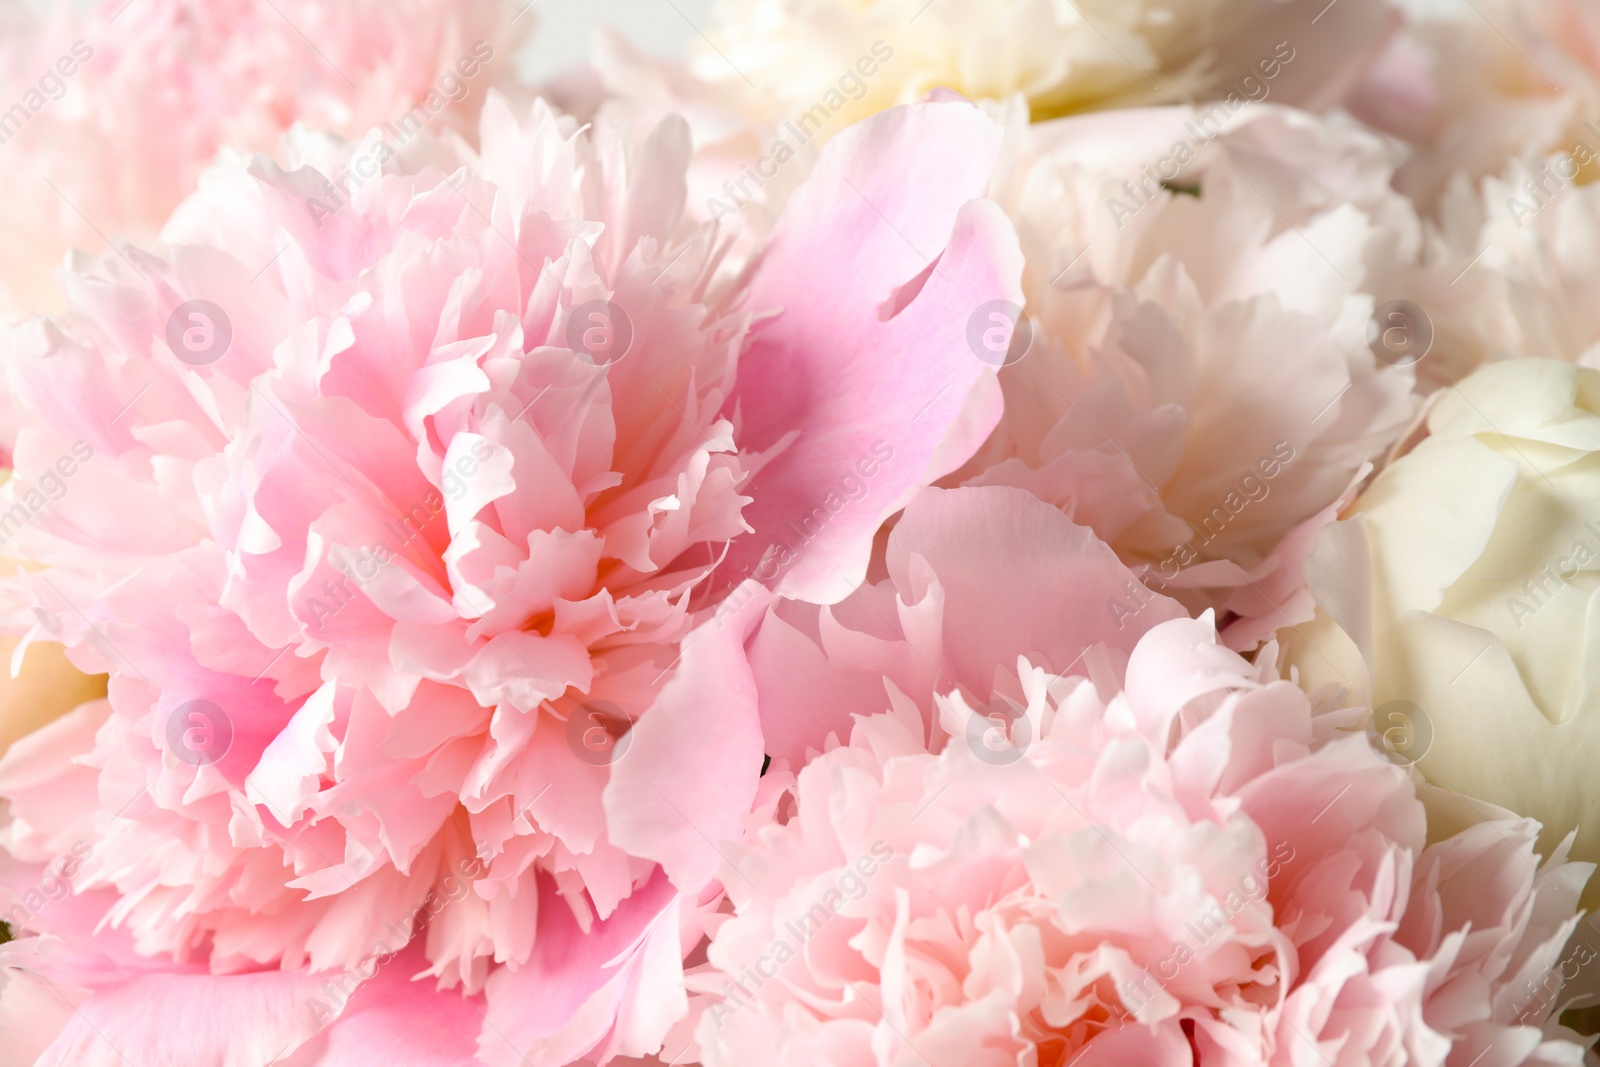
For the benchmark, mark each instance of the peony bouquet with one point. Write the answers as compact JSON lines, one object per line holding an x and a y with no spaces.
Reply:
{"x":913,"y":533}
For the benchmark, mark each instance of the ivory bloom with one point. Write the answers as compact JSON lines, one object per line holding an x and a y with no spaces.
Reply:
{"x":1155,"y":405}
{"x":1065,"y":58}
{"x":1484,"y":548}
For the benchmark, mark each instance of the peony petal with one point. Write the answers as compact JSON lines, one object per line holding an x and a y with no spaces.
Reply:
{"x":690,"y":773}
{"x":244,"y":1020}
{"x":870,"y":396}
{"x":1019,"y":577}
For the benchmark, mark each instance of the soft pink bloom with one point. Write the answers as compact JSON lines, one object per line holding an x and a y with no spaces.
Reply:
{"x":1533,"y":287}
{"x":1472,"y":87}
{"x":123,"y":105}
{"x":1199,"y":389}
{"x":1145,"y":851}
{"x":411,"y":531}
{"x":1495,"y":104}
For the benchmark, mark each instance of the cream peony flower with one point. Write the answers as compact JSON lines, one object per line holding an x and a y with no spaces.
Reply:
{"x":38,"y":684}
{"x":1482,"y":634}
{"x":806,"y":55}
{"x":45,"y":687}
{"x":775,"y":79}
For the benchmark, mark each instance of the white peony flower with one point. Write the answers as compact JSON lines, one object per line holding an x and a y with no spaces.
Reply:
{"x":772,"y":80}
{"x":1063,"y":57}
{"x":1468,"y":579}
{"x":1199,"y":388}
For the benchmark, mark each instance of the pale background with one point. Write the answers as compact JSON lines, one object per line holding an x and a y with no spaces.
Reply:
{"x":564,"y":27}
{"x":561,"y":36}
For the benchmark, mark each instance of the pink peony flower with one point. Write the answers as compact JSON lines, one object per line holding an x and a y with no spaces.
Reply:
{"x":390,"y":508}
{"x":1153,"y":853}
{"x":121,"y":107}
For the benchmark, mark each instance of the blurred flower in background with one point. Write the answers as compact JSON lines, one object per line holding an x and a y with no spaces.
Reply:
{"x":1474,"y":84}
{"x":1062,"y":58}
{"x":108,"y":116}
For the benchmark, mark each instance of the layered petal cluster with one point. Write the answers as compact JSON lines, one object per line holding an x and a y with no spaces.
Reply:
{"x":112,"y":110}
{"x":1157,"y":853}
{"x":1197,"y":382}
{"x":388,"y":507}
{"x":1526,"y":240}
{"x":1474,"y":86}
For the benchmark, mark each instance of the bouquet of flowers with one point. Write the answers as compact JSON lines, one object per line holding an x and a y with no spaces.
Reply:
{"x":923,"y":533}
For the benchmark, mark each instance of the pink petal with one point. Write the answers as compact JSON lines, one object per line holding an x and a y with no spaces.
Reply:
{"x":1018,"y":577}
{"x":690,"y":772}
{"x":243,"y":1020}
{"x":391,"y":1019}
{"x":870,"y":397}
